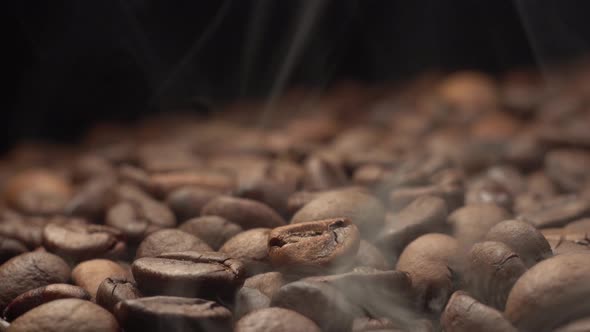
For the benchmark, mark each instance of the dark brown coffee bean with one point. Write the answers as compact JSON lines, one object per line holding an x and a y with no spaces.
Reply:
{"x":38,"y":296}
{"x":37,"y":192}
{"x":314,"y":244}
{"x":557,"y":211}
{"x":319,"y":302}
{"x":29,"y":271}
{"x":137,"y":215}
{"x":214,"y":230}
{"x":551,"y":293}
{"x":169,"y":240}
{"x":368,"y":255}
{"x":25,"y":230}
{"x":275,"y":320}
{"x":189,"y":274}
{"x":568,"y":168}
{"x":114,"y":290}
{"x":10,"y":248}
{"x":91,"y":166}
{"x":428,"y":261}
{"x":267,"y":283}
{"x":66,"y":315}
{"x":399,"y":198}
{"x":425,"y":214}
{"x":524,"y":239}
{"x":244,"y":212}
{"x":92,"y":199}
{"x":471,"y":222}
{"x":379,"y":293}
{"x":492,"y":268}
{"x":362,"y":209}
{"x":323,"y":173}
{"x":167,"y":313}
{"x":251,"y":247}
{"x":579,"y":325}
{"x":162,"y":184}
{"x":249,"y":299}
{"x":78,"y":242}
{"x":187,"y":202}
{"x":90,"y":274}
{"x":464,"y":314}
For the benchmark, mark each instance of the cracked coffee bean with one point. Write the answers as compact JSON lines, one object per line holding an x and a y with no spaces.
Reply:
{"x":464,"y":314}
{"x":114,"y":290}
{"x":188,"y":274}
{"x":90,"y":274}
{"x":314,"y":245}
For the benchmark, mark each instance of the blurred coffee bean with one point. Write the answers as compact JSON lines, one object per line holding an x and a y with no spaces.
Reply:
{"x":189,"y":274}
{"x":29,"y":271}
{"x":91,"y":200}
{"x":187,"y":202}
{"x":471,"y":222}
{"x":370,"y":256}
{"x":10,"y":248}
{"x":248,"y":300}
{"x":37,"y":192}
{"x":168,"y":313}
{"x":551,"y":293}
{"x":162,"y":184}
{"x":169,"y":240}
{"x":322,"y":173}
{"x":66,"y":315}
{"x":568,"y":168}
{"x":78,"y":242}
{"x":251,"y":247}
{"x":429,"y":262}
{"x":464,"y":314}
{"x":400,"y":198}
{"x":38,"y":296}
{"x":363,"y":209}
{"x":319,"y":302}
{"x":267,"y":283}
{"x":579,"y":325}
{"x":90,"y":274}
{"x":557,"y":211}
{"x":524,"y":239}
{"x":275,"y":320}
{"x":214,"y":230}
{"x":314,"y":245}
{"x":114,"y":290}
{"x":244,"y":212}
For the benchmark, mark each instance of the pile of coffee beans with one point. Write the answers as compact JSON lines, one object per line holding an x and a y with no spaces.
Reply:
{"x":449,"y":203}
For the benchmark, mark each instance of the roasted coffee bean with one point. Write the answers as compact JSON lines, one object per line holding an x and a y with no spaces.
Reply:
{"x":169,"y":240}
{"x":524,"y":239}
{"x":471,"y":222}
{"x":300,"y":198}
{"x":489,"y":191}
{"x":314,"y":245}
{"x":137,"y":215}
{"x":37,"y":192}
{"x":319,"y":302}
{"x":25,"y":230}
{"x":557,"y":211}
{"x":189,"y":274}
{"x":92,"y":199}
{"x":400,"y":198}
{"x":379,"y":293}
{"x":4,"y":325}
{"x":579,"y":325}
{"x":187,"y":202}
{"x":425,"y":214}
{"x":322,"y":173}
{"x":29,"y":271}
{"x":275,"y":320}
{"x":363,"y":209}
{"x":214,"y":230}
{"x":248,"y":300}
{"x":464,"y":314}
{"x":492,"y":268}
{"x":244,"y":212}
{"x":78,"y":242}
{"x":267,"y":283}
{"x":10,"y":248}
{"x":369,"y":255}
{"x":365,"y":324}
{"x":578,"y":230}
{"x":66,"y":315}
{"x":91,"y":166}
{"x":163,"y":183}
{"x":429,"y":262}
{"x":38,"y":296}
{"x":551,"y":293}
{"x":568,"y":168}
{"x":167,"y":313}
{"x":250,"y":247}
{"x":90,"y":274}
{"x":114,"y":290}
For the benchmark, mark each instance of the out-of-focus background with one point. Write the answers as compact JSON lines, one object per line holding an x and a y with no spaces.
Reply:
{"x":74,"y":63}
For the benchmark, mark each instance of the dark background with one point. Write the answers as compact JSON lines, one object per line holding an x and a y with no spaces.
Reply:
{"x":73,"y":63}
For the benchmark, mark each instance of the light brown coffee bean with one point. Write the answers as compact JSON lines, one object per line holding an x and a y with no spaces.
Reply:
{"x":244,"y":212}
{"x":471,"y":222}
{"x":275,"y":320}
{"x":251,"y":247}
{"x":90,"y":274}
